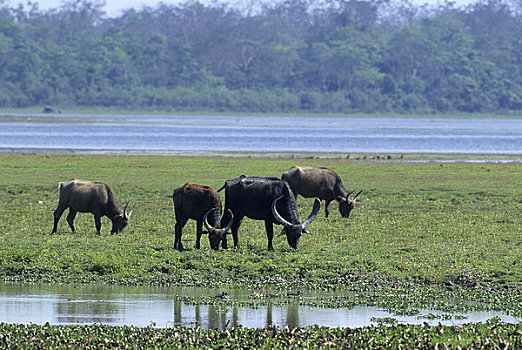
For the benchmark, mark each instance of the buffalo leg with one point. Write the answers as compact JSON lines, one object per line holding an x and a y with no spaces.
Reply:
{"x":199,"y":230}
{"x":224,"y":243}
{"x":97,"y":223}
{"x":270,"y":234}
{"x":327,"y":208}
{"x":234,"y":230}
{"x":57,"y":215}
{"x":70,"y":219}
{"x":177,"y":234}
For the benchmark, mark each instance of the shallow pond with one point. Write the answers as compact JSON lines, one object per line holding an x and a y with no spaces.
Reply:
{"x":162,"y":307}
{"x":288,"y":134}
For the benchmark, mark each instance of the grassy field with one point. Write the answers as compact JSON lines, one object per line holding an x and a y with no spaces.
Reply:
{"x":420,"y":230}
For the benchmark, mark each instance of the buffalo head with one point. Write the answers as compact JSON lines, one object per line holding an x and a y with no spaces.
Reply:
{"x":347,"y":204}
{"x":215,"y":235}
{"x":122,"y":220}
{"x":294,"y":231}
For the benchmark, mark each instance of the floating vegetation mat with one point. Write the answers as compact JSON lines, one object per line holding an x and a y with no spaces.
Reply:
{"x":490,"y":335}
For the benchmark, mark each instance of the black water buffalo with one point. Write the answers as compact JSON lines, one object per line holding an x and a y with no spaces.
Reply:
{"x":268,"y":199}
{"x":201,"y":203}
{"x":322,"y":183}
{"x":90,"y":197}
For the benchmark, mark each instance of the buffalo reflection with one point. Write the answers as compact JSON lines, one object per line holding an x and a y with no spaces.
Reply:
{"x":220,"y":317}
{"x":86,"y":311}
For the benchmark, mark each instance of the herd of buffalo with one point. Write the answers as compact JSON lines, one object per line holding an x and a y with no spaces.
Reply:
{"x":260,"y":198}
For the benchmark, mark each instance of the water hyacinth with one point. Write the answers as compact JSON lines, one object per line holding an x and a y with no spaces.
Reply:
{"x":491,"y":334}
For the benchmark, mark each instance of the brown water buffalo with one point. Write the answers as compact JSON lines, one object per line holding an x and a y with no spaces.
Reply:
{"x":90,"y":197}
{"x":201,"y":203}
{"x":268,"y":199}
{"x":322,"y":183}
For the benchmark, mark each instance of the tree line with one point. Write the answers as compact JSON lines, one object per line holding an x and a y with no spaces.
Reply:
{"x":339,"y":56}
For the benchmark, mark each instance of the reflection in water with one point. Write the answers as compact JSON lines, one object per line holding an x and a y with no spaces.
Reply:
{"x":269,"y":319}
{"x":87,"y":311}
{"x":160,"y":306}
{"x":235,"y":319}
{"x":292,"y":315}
{"x":177,"y":312}
{"x":219,"y":317}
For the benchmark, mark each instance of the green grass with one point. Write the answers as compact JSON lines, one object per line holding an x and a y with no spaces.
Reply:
{"x":419,"y":230}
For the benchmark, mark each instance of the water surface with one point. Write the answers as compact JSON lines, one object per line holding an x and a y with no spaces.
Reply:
{"x":288,"y":134}
{"x":161,"y":307}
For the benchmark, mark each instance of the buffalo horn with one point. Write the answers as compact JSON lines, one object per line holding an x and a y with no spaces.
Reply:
{"x":278,"y":217}
{"x":229,"y":225}
{"x":357,"y":194}
{"x":313,"y":214}
{"x":205,"y":222}
{"x":128,"y":215}
{"x":348,"y":195}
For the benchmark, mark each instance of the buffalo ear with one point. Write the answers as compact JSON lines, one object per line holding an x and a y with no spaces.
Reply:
{"x":306,"y":231}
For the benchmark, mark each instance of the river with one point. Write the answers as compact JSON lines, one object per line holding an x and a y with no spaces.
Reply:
{"x":249,"y":134}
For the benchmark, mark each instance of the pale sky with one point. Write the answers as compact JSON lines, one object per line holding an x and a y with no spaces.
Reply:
{"x":115,"y":7}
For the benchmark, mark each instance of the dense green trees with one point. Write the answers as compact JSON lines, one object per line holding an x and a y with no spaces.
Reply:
{"x":324,"y":56}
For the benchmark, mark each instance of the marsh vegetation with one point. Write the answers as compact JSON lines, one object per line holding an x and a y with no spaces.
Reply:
{"x":423,"y":235}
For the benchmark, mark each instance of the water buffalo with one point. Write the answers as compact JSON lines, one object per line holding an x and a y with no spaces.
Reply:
{"x":322,"y":183}
{"x":201,"y":203}
{"x":268,"y":199}
{"x":90,"y":197}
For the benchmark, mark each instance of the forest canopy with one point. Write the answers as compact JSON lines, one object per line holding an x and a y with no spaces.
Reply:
{"x":339,"y":56}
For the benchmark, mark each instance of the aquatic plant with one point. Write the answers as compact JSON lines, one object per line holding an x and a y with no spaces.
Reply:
{"x":490,"y":335}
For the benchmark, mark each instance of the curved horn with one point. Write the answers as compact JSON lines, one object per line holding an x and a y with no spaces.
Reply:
{"x":125,"y":214}
{"x":278,"y":217}
{"x":357,"y":195}
{"x":229,"y":225}
{"x":348,"y":195}
{"x":315,"y":210}
{"x":205,"y":222}
{"x":129,"y":214}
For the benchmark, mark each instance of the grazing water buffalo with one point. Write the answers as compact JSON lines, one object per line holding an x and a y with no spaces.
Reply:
{"x":268,"y":199}
{"x":201,"y":203}
{"x":90,"y":197}
{"x":322,"y":183}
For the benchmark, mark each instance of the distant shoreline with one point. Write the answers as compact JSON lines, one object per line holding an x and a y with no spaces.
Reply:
{"x":38,"y":111}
